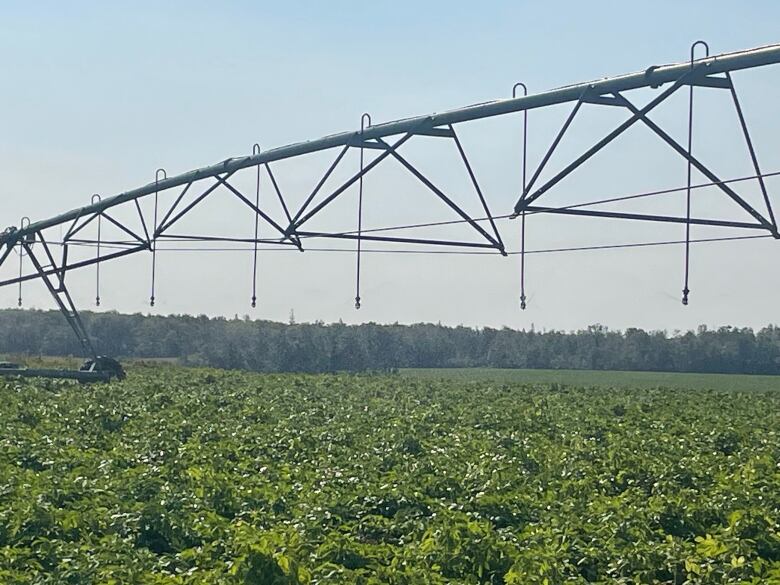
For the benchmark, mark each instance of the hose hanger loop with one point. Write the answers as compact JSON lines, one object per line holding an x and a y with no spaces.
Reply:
{"x":699,"y":43}
{"x":256,"y":151}
{"x":523,"y":298}
{"x":157,"y":174}
{"x":517,"y":85}
{"x":686,"y":290}
{"x":365,"y":122}
{"x":96,"y":199}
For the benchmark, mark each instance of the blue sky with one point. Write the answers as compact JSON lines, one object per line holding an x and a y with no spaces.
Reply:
{"x":98,"y":95}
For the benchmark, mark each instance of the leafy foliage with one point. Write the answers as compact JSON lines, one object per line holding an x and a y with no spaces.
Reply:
{"x":316,"y":347}
{"x":200,"y":476}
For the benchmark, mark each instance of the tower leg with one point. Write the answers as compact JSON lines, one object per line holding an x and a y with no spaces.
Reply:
{"x":61,"y":296}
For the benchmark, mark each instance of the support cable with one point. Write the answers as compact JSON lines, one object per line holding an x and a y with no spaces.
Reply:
{"x":463,"y":252}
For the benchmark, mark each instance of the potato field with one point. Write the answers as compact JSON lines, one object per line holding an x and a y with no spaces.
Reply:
{"x":189,"y":476}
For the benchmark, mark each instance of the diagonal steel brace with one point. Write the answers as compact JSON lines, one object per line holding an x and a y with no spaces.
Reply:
{"x":703,"y":169}
{"x":523,"y":202}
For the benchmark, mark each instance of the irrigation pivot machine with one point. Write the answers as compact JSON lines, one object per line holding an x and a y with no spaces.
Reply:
{"x":41,"y":248}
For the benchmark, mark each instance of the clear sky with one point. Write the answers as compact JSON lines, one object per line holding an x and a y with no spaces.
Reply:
{"x":97,"y":95}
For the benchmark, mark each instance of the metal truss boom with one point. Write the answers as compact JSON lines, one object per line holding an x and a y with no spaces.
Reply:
{"x":34,"y":241}
{"x":654,"y":77}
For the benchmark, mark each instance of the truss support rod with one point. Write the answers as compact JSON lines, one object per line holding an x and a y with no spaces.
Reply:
{"x":645,"y":217}
{"x":75,"y":230}
{"x":635,"y":117}
{"x":394,"y":240}
{"x":166,"y":225}
{"x":6,"y":253}
{"x":122,"y":227}
{"x":546,"y":158}
{"x":278,"y":192}
{"x":439,"y":193}
{"x":319,"y":185}
{"x":260,"y":212}
{"x":196,"y":238}
{"x":753,"y":156}
{"x":81,"y":264}
{"x":167,"y":216}
{"x":651,"y":77}
{"x":478,"y":189}
{"x":348,"y":183}
{"x":703,"y":169}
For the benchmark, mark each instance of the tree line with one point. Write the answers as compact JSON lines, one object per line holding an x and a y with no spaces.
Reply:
{"x":319,"y":347}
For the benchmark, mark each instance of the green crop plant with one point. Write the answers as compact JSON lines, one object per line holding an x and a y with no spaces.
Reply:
{"x":188,"y":476}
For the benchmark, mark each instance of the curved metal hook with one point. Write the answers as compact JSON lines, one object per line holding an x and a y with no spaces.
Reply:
{"x":157,"y":175}
{"x":255,"y":149}
{"x":363,"y":118}
{"x":24,"y":223}
{"x":514,"y":89}
{"x":700,"y":43}
{"x":95,"y":198}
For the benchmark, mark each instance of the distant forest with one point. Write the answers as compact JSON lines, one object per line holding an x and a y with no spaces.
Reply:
{"x":317,"y":347}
